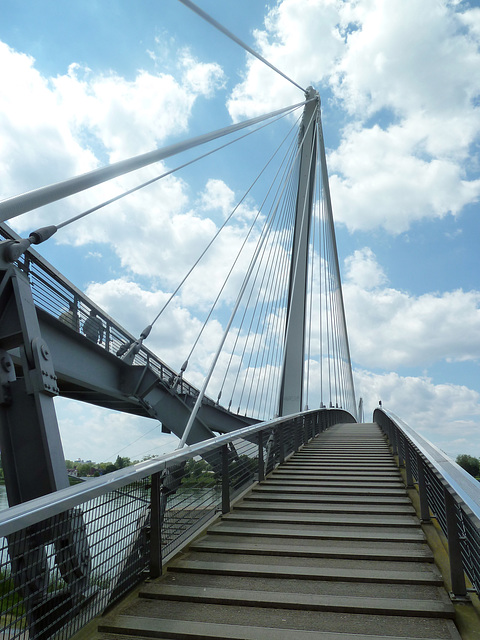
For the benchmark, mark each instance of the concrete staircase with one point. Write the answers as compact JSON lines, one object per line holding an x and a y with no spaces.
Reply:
{"x":328,"y":546}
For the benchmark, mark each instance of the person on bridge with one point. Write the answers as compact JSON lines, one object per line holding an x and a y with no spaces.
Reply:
{"x":70,"y":317}
{"x":93,"y":327}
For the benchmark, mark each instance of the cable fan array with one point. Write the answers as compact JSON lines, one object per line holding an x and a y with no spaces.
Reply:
{"x":246,"y":371}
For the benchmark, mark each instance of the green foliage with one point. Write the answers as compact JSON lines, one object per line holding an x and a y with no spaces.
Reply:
{"x":469,"y":463}
{"x":121,"y":463}
{"x":10,"y":599}
{"x":198,"y":474}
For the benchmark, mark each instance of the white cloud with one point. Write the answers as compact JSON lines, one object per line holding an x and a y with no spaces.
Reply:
{"x":390,"y":328}
{"x":378,"y":180}
{"x":446,"y":414}
{"x":363,"y":270}
{"x":202,"y":78}
{"x":97,"y":434}
{"x":37,"y":144}
{"x":415,"y":66}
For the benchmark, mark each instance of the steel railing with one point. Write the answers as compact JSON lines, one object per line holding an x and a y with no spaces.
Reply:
{"x":67,"y":556}
{"x":53,"y":293}
{"x":447,"y":494}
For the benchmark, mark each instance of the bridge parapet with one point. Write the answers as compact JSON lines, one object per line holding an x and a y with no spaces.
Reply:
{"x":123,"y":526}
{"x":56,"y":296}
{"x":447,"y":494}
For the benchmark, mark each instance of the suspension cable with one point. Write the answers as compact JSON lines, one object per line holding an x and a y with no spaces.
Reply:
{"x":16,"y":205}
{"x":233,"y":37}
{"x":167,"y":173}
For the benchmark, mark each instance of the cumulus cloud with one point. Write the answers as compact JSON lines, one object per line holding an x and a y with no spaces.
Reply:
{"x":412,"y":66}
{"x":97,"y":434}
{"x":390,"y":328}
{"x":446,"y":414}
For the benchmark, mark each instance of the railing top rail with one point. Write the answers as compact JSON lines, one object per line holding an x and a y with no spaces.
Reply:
{"x":34,"y":511}
{"x":462,"y":483}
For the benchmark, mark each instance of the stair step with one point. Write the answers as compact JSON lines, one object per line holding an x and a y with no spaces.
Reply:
{"x":309,"y":602}
{"x":332,"y":484}
{"x":356,"y":552}
{"x":334,"y":519}
{"x":251,"y":505}
{"x":358,"y":491}
{"x":329,"y":476}
{"x":307,"y":573}
{"x":322,"y":498}
{"x":252,"y":529}
{"x":161,"y":627}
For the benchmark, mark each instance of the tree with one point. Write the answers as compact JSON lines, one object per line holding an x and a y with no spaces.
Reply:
{"x":469,"y":463}
{"x":120,"y":462}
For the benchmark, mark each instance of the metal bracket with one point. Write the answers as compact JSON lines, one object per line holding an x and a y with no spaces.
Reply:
{"x":42,"y":377}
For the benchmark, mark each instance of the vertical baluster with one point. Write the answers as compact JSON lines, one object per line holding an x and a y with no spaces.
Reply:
{"x":408,"y":465}
{"x":225,"y":481}
{"x":261,"y":463}
{"x":281,"y":444}
{"x":459,"y":588}
{"x":156,"y":527}
{"x":422,"y":491}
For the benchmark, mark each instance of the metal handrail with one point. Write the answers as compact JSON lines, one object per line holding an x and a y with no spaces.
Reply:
{"x":464,"y":485}
{"x":29,"y":513}
{"x":447,"y":494}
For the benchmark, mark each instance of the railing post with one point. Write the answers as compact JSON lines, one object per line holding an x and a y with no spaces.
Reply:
{"x":459,"y":588}
{"x":107,"y":336}
{"x":422,"y":491}
{"x":281,"y":444}
{"x":296,"y":434}
{"x":225,"y":481}
{"x":156,"y":527}
{"x":395,"y":447}
{"x":408,"y":466}
{"x":261,"y":463}
{"x":401,"y":441}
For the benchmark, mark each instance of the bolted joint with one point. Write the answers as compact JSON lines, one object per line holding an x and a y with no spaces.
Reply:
{"x":42,"y":377}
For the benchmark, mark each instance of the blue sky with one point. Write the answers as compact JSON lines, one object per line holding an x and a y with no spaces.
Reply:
{"x":85,"y":83}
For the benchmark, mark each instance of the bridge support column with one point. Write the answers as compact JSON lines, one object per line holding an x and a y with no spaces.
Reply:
{"x":291,"y":390}
{"x":32,"y":458}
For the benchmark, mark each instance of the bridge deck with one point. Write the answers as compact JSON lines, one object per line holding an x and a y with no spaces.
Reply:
{"x":329,"y":545}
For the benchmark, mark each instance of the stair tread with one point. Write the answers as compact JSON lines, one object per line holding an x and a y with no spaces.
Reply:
{"x":328,"y":518}
{"x":373,"y":509}
{"x":312,"y":602}
{"x":332,"y":533}
{"x":320,"y":573}
{"x":287,"y":549}
{"x":159,"y":627}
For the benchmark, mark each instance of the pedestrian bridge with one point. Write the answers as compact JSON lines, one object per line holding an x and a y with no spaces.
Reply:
{"x":281,"y":514}
{"x":310,"y":530}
